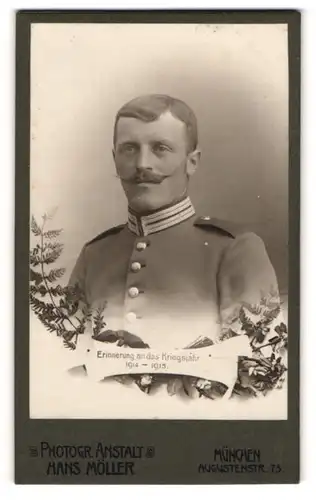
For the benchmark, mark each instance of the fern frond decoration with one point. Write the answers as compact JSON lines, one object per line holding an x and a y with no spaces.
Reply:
{"x":55,"y":274}
{"x":36,"y":230}
{"x":52,"y":253}
{"x":69,"y":345}
{"x":98,"y":321}
{"x":53,"y":233}
{"x":55,"y":305}
{"x":271,"y":314}
{"x":57,"y":291}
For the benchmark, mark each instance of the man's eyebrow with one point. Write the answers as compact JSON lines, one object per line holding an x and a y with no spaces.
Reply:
{"x":161,"y":140}
{"x":125,"y":142}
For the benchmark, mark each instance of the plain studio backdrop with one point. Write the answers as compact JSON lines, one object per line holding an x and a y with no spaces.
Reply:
{"x":235,"y":78}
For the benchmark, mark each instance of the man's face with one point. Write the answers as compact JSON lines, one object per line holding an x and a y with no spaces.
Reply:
{"x":152,"y":161}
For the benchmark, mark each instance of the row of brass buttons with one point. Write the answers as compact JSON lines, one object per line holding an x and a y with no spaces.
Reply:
{"x":133,"y":291}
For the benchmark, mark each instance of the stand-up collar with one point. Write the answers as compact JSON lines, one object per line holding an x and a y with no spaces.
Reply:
{"x":160,"y":220}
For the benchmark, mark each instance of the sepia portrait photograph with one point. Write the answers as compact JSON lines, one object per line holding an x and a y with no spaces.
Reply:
{"x":159,"y":164}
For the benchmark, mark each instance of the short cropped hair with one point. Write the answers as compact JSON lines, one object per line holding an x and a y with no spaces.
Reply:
{"x":149,"y":108}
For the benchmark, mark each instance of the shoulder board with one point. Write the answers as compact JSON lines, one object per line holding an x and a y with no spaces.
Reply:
{"x":231,"y":229}
{"x":109,"y":232}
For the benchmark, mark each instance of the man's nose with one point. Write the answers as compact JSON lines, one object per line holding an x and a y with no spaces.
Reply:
{"x":144,"y":159}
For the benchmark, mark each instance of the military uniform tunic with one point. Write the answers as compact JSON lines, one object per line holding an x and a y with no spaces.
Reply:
{"x":170,"y":277}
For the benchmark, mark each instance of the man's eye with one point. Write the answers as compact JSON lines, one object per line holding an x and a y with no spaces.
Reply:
{"x":129,"y":148}
{"x":160,"y":148}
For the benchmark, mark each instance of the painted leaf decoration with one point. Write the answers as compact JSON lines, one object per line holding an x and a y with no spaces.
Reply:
{"x":106,"y":336}
{"x":131,"y":340}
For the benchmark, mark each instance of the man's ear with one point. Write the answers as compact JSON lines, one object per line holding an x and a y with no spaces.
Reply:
{"x":193,"y":161}
{"x":113,"y":155}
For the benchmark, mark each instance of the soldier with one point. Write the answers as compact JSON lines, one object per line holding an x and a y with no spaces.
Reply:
{"x":167,"y":275}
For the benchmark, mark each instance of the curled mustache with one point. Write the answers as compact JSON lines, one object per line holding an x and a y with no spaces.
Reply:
{"x":144,"y":176}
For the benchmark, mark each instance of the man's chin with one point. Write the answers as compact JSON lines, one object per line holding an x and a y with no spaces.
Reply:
{"x":145,"y":203}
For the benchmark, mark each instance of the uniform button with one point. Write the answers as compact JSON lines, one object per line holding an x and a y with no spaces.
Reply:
{"x":141,"y":245}
{"x":131,"y":317}
{"x":133,"y":292}
{"x":136,"y":266}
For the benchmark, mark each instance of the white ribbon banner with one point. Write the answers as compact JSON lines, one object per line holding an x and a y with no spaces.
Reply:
{"x":217,"y":362}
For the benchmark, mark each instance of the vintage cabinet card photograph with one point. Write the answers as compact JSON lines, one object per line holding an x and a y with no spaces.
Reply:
{"x":157,"y":247}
